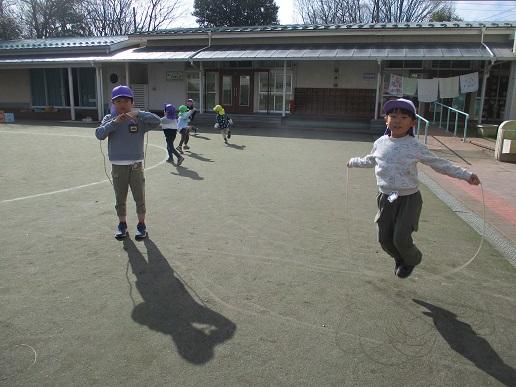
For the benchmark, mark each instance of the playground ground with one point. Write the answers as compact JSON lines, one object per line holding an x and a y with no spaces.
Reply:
{"x":261,"y":267}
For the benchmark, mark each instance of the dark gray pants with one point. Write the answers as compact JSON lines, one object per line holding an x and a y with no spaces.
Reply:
{"x":125,"y":176}
{"x":396,"y":221}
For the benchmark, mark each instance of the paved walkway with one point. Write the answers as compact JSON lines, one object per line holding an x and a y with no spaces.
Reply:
{"x":498,"y":180}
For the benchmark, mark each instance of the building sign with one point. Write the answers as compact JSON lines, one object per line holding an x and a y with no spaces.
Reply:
{"x":174,"y":75}
{"x":368,"y":76}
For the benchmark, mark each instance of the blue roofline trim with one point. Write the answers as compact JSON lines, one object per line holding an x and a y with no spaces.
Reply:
{"x":52,"y":43}
{"x":322,"y":27}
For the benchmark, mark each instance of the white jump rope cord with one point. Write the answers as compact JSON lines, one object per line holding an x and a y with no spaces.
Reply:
{"x":346,"y":209}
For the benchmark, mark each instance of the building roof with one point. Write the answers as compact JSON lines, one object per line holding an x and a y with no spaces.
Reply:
{"x":34,"y":44}
{"x":329,"y":27}
{"x":347,"y":51}
{"x":413,"y":51}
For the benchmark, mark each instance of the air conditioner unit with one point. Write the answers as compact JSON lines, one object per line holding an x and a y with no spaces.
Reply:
{"x":141,"y":96}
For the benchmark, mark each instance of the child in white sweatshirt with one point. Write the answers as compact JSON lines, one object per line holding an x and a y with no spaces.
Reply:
{"x":395,"y":156}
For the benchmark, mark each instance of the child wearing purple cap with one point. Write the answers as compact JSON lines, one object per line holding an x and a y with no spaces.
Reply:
{"x":125,"y":130}
{"x":395,"y":156}
{"x":169,"y":126}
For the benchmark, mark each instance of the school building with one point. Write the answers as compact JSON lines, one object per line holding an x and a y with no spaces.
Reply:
{"x":318,"y":71}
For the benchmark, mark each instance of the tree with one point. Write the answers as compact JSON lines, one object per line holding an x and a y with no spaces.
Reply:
{"x":122,"y":17}
{"x":53,"y":18}
{"x":210,"y":13}
{"x":445,"y":14}
{"x":9,"y":28}
{"x":368,"y":11}
{"x":109,"y":17}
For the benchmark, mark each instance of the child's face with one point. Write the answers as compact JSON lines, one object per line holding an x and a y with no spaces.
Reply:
{"x":123,"y":104}
{"x":399,"y":123}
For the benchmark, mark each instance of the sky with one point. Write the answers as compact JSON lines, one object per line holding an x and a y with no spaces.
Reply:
{"x":471,"y":10}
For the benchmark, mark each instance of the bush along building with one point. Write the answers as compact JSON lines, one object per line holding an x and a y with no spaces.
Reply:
{"x":342,"y":72}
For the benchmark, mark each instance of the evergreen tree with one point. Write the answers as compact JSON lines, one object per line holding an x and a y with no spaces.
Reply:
{"x":229,"y":13}
{"x":9,"y":27}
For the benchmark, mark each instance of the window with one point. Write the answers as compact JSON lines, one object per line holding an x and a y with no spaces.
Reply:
{"x":84,"y":90}
{"x":192,"y":86}
{"x":270,"y":91}
{"x":404,"y":64}
{"x":227,"y":87}
{"x":49,"y":87}
{"x":211,"y":89}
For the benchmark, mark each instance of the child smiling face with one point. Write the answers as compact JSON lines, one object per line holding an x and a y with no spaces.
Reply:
{"x":399,"y":121}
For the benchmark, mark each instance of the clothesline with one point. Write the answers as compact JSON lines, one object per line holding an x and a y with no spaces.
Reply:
{"x":429,"y":90}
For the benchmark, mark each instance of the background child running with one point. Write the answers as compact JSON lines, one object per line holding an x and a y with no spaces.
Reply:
{"x":191,"y":106}
{"x":125,"y":130}
{"x":395,"y":156}
{"x":183,"y":119}
{"x":223,"y":122}
{"x":169,"y":126}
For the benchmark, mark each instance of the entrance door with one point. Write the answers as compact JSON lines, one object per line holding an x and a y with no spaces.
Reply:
{"x":237,"y":91}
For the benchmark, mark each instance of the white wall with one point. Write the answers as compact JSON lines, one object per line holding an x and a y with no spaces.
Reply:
{"x":162,"y":91}
{"x":351,"y":74}
{"x":15,"y":85}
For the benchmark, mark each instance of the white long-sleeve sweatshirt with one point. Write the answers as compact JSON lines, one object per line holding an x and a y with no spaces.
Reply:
{"x":395,"y":161}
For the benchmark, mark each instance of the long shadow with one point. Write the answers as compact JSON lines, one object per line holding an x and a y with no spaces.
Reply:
{"x":235,"y":146}
{"x":197,"y":156}
{"x":169,"y":308}
{"x":185,"y":172}
{"x":199,"y":136}
{"x":465,"y":341}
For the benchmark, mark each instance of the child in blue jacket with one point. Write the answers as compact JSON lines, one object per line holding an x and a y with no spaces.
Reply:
{"x":125,"y":130}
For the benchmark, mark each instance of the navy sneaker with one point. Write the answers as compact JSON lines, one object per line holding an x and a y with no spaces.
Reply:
{"x":121,"y":231}
{"x":404,"y":271}
{"x":141,"y":231}
{"x":180,"y":160}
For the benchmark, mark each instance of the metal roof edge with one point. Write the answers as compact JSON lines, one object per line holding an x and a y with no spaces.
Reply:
{"x":330,"y":27}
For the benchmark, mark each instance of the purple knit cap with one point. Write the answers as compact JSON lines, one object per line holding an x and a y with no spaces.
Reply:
{"x":170,"y":111}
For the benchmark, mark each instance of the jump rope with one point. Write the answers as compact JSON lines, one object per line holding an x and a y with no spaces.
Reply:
{"x":468,"y":262}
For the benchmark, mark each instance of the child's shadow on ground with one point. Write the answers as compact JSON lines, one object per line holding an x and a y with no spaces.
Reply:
{"x":235,"y":146}
{"x":201,"y":137}
{"x":464,"y":340}
{"x":197,"y":156}
{"x":185,"y":172}
{"x":169,"y":308}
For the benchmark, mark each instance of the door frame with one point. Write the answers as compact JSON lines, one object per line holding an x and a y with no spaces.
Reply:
{"x":235,"y":106}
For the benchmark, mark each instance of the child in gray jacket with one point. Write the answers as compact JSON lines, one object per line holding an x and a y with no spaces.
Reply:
{"x":395,"y":156}
{"x":125,"y":130}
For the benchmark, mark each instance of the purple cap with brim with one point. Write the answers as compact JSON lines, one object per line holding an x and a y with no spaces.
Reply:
{"x":399,"y":103}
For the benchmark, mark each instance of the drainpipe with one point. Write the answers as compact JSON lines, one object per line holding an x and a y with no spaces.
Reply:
{"x":201,"y":70}
{"x":378,"y":84}
{"x":514,"y":43}
{"x":70,"y":90}
{"x":487,"y":68}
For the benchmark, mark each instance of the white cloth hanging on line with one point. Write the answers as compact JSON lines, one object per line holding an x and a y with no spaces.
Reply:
{"x":469,"y":83}
{"x":449,"y":87}
{"x":427,"y":90}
